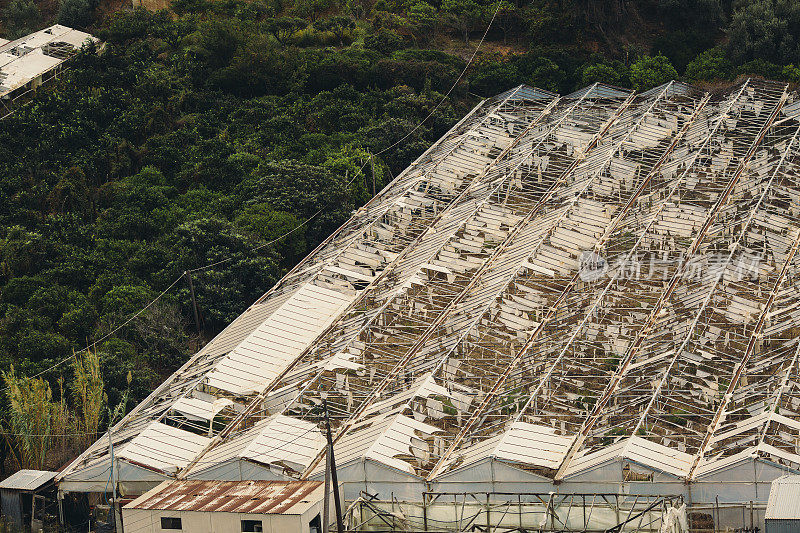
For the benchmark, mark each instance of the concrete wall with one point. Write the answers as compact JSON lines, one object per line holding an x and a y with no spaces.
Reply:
{"x":149,"y":521}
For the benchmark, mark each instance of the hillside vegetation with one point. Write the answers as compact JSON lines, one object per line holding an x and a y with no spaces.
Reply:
{"x":211,"y":128}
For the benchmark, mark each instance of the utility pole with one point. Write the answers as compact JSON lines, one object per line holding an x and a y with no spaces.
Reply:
{"x":194,"y":301}
{"x":337,"y":504}
{"x":326,"y":503}
{"x":113,"y":474}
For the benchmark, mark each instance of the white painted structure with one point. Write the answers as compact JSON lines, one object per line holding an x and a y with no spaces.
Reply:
{"x":588,"y":293}
{"x":25,"y":62}
{"x":224,"y":507}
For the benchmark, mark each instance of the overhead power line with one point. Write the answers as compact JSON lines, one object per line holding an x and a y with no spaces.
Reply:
{"x":296,"y":228}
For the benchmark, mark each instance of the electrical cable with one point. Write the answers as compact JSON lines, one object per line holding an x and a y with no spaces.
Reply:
{"x":447,"y":94}
{"x":306,"y":221}
{"x":107,"y":335}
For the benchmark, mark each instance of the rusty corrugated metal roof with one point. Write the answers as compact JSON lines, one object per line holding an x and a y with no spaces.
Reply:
{"x":258,"y":497}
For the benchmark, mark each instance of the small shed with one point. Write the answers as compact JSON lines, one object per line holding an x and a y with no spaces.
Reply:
{"x":783,"y":508}
{"x":227,"y":507}
{"x":23,"y":496}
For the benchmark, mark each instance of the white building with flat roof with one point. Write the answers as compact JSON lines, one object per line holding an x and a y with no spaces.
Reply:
{"x":227,"y":507}
{"x":28,"y":61}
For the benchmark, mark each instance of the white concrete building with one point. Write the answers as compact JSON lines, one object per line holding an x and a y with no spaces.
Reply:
{"x":227,"y":507}
{"x":27,"y":62}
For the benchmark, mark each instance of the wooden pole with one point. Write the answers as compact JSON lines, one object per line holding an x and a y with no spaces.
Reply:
{"x":113,"y":509}
{"x":336,"y":503}
{"x":326,"y":504}
{"x":372,"y":168}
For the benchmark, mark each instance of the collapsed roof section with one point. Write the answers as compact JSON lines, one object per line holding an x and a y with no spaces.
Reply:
{"x":558,"y":282}
{"x":25,"y":60}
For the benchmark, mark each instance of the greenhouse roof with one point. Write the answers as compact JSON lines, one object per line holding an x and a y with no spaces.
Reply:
{"x":557,"y":282}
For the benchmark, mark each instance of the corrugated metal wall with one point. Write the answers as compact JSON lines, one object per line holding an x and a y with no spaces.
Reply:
{"x":782,"y":526}
{"x":11,"y":506}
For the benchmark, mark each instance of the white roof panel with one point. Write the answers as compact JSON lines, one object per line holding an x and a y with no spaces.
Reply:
{"x":784,"y":499}
{"x":27,"y":58}
{"x":27,"y":480}
{"x":274,"y":344}
{"x":163,"y":447}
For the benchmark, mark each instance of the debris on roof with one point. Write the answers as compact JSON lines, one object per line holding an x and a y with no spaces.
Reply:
{"x":557,"y":283}
{"x":26,"y":59}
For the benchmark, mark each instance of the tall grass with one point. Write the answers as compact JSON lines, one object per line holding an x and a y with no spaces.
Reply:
{"x":89,"y":395}
{"x":32,"y":419}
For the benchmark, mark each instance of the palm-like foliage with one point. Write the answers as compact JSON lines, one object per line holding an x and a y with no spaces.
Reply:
{"x":32,"y":419}
{"x":89,"y":394}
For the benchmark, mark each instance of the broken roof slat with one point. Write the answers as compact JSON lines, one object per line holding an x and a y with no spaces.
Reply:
{"x":470,"y":269}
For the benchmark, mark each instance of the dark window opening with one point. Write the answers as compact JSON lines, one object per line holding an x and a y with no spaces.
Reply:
{"x":252,"y":525}
{"x":315,"y":526}
{"x":169,"y":522}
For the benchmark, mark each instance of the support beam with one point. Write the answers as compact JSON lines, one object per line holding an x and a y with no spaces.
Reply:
{"x":430,"y":329}
{"x":645,"y":329}
{"x":493,"y":392}
{"x":256,"y":402}
{"x":734,"y":248}
{"x":479,"y":413}
{"x":754,"y":336}
{"x":779,"y":394}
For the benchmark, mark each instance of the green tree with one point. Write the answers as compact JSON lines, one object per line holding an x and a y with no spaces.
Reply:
{"x":649,"y":72}
{"x":550,"y":22}
{"x":540,"y":71}
{"x":508,"y":16}
{"x":709,"y":66}
{"x":71,"y":194}
{"x":383,"y":41}
{"x":681,"y":46}
{"x":338,"y":25}
{"x":284,"y":27}
{"x":768,"y":30}
{"x":312,"y":9}
{"x":614,"y":73}
{"x":462,"y":15}
{"x":21,"y":17}
{"x":270,"y":224}
{"x":423,"y":18}
{"x":760,"y":67}
{"x":124,"y":300}
{"x":75,"y":13}
{"x":242,"y":277}
{"x":791,"y":73}
{"x":22,"y":252}
{"x":493,"y":77}
{"x":358,"y":9}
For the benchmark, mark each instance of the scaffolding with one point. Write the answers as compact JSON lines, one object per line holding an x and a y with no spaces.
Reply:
{"x":509,"y":512}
